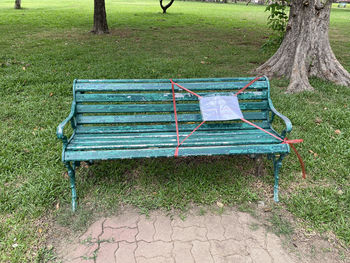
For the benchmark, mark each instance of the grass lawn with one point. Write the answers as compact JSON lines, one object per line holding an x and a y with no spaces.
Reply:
{"x":46,"y":45}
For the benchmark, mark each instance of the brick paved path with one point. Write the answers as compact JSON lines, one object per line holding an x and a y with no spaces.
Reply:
{"x":130,"y":237}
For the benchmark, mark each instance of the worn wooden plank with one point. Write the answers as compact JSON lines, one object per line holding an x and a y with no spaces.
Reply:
{"x":188,"y":107}
{"x":155,"y":118}
{"x":82,"y":87}
{"x":169,"y":137}
{"x":148,"y":142}
{"x":150,"y":97}
{"x":169,"y":152}
{"x":168,"y":127}
{"x":78,"y":81}
{"x":199,"y":132}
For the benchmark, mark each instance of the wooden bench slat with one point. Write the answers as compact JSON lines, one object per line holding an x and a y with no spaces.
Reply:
{"x":151,"y":97}
{"x":155,"y":137}
{"x":81,"y":87}
{"x":169,"y":152}
{"x":168,"y":127}
{"x":168,"y":141}
{"x":155,"y":118}
{"x":188,"y":107}
{"x":199,"y":132}
{"x":135,"y":81}
{"x":142,"y":145}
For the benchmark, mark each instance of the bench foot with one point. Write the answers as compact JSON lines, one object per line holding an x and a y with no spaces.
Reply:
{"x":277,"y":164}
{"x":71,"y":173}
{"x":258,"y":165}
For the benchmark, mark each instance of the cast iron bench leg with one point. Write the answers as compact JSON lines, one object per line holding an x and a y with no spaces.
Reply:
{"x":277,"y":164}
{"x":71,"y":173}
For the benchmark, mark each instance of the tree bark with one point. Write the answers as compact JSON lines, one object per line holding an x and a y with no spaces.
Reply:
{"x":17,"y":4}
{"x":100,"y":18}
{"x":305,"y":50}
{"x":167,"y":6}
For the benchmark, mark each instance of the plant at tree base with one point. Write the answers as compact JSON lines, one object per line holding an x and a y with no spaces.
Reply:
{"x":305,"y":50}
{"x":277,"y":21}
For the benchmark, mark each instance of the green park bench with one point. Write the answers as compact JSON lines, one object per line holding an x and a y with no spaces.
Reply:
{"x":134,"y":118}
{"x":342,"y":5}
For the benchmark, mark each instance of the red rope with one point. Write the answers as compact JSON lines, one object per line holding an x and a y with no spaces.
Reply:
{"x":175,"y":115}
{"x":193,"y":93}
{"x":285,"y":140}
{"x":246,"y":86}
{"x":290,"y":142}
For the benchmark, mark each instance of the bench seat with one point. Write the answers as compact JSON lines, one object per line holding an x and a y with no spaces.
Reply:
{"x":124,"y":119}
{"x":104,"y":146}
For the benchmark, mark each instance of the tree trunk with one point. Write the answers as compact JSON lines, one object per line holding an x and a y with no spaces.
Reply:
{"x":305,"y":50}
{"x":167,"y":6}
{"x":17,"y":4}
{"x":100,"y":18}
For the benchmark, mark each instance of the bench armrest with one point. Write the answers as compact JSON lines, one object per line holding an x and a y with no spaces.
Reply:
{"x":288,"y":123}
{"x":60,"y":127}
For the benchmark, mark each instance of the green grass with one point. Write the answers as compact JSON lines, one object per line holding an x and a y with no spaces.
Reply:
{"x":44,"y":46}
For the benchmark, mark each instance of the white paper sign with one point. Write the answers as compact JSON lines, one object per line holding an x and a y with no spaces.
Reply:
{"x":220,"y":108}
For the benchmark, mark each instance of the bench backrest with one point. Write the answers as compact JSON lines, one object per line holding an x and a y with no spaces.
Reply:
{"x":145,"y":105}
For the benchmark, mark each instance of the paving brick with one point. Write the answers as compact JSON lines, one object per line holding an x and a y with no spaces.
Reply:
{"x":189,"y":233}
{"x":275,"y":249}
{"x":227,"y":247}
{"x":245,"y":218}
{"x":154,"y":249}
{"x":83,"y":251}
{"x":146,"y":229}
{"x":93,"y":232}
{"x":128,"y":219}
{"x":163,"y":229}
{"x":119,"y":234}
{"x":81,"y":260}
{"x":191,"y":220}
{"x":106,"y":252}
{"x":232,"y":259}
{"x":215,"y":230}
{"x":182,"y":252}
{"x":125,"y":253}
{"x":155,"y":260}
{"x":201,"y":252}
{"x":231,"y":237}
{"x":233,"y":228}
{"x":259,"y":235}
{"x":260,"y":255}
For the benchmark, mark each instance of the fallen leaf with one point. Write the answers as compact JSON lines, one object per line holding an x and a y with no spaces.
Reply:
{"x":340,"y":192}
{"x":318,"y":120}
{"x":219,"y":204}
{"x":51,"y":94}
{"x":58,"y":206}
{"x":311,"y":151}
{"x":315,"y":154}
{"x":202,"y":62}
{"x":40,"y":230}
{"x":15,"y":245}
{"x":24,"y":68}
{"x":337,"y":131}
